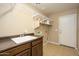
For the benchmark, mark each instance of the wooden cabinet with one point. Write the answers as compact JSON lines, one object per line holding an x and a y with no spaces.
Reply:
{"x":25,"y":53}
{"x":18,"y":50}
{"x":37,"y":50}
{"x":32,"y":48}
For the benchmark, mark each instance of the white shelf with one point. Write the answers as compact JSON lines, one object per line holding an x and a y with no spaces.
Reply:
{"x":46,"y":22}
{"x":41,"y":19}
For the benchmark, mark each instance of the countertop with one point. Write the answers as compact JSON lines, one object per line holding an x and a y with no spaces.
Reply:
{"x":8,"y":43}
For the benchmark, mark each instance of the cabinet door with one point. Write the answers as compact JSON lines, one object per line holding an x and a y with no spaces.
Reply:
{"x":25,"y":53}
{"x":37,"y":50}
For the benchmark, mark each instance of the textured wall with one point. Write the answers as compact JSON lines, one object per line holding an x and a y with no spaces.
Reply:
{"x":17,"y":21}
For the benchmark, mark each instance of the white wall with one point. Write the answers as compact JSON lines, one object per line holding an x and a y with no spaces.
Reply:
{"x":17,"y":21}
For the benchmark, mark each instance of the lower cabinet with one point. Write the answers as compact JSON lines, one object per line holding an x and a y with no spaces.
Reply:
{"x":37,"y":50}
{"x":33,"y":48}
{"x":25,"y":53}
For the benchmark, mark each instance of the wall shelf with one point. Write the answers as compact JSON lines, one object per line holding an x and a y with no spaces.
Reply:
{"x":40,"y":19}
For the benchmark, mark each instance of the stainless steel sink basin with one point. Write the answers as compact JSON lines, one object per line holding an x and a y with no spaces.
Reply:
{"x":23,"y":39}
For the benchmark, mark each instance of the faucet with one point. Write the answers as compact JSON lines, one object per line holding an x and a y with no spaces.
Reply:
{"x":23,"y":34}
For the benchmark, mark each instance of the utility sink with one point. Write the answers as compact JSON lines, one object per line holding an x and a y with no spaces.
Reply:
{"x":23,"y":39}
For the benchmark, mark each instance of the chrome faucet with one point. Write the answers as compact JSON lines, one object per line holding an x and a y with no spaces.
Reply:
{"x":21,"y":35}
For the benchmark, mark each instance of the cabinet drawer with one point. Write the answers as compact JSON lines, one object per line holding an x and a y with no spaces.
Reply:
{"x":18,"y":49}
{"x":37,"y":41}
{"x":25,"y":53}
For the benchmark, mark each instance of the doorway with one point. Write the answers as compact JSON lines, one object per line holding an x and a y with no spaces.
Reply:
{"x":67,"y":30}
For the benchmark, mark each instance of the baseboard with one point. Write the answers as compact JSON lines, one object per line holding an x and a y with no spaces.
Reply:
{"x":76,"y":48}
{"x":53,"y":43}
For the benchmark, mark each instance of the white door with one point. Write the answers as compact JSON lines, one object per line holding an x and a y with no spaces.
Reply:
{"x":67,"y":30}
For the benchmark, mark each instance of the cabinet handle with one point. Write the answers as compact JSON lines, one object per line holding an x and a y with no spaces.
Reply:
{"x":5,"y":54}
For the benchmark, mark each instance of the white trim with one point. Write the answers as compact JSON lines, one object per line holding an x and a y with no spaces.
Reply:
{"x":53,"y":43}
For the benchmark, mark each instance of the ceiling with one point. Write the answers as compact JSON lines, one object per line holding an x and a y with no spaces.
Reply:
{"x":45,"y":8}
{"x":50,"y":8}
{"x":5,"y":7}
